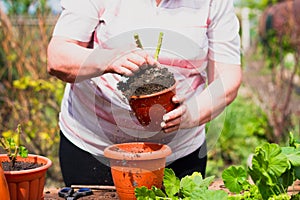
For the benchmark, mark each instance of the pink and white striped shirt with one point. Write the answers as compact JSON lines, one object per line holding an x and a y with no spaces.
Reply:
{"x":93,"y":113}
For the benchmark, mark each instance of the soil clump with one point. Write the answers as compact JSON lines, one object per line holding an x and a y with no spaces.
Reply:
{"x":150,"y":79}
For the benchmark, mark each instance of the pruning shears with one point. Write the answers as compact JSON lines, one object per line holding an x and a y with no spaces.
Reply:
{"x":70,"y":194}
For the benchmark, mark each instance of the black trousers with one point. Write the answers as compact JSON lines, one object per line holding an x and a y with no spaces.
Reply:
{"x":79,"y":167}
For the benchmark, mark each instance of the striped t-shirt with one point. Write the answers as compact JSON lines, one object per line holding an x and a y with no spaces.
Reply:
{"x":94,"y":113}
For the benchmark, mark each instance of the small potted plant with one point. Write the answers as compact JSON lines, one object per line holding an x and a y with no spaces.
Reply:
{"x":150,"y":91}
{"x":25,"y":173}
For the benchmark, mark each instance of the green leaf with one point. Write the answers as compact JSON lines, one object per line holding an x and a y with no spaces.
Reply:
{"x":209,"y":194}
{"x":292,"y":154}
{"x":297,"y":172}
{"x":268,"y":165}
{"x":286,"y":180}
{"x":171,"y":182}
{"x":295,"y":196}
{"x":23,"y":152}
{"x":158,"y":192}
{"x":292,"y":141}
{"x":11,"y":143}
{"x":269,"y":159}
{"x":187,"y":186}
{"x":194,"y":182}
{"x":234,"y":178}
{"x":143,"y":193}
{"x":199,"y":181}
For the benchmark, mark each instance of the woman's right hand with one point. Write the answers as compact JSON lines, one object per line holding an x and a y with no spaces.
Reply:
{"x":130,"y":62}
{"x":71,"y":60}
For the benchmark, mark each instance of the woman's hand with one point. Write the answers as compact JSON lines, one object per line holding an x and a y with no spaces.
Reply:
{"x":71,"y":60}
{"x":184,"y":116}
{"x":130,"y":63}
{"x":224,"y":81}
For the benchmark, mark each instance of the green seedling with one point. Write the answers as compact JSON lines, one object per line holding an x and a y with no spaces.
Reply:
{"x":12,"y":146}
{"x":158,"y":47}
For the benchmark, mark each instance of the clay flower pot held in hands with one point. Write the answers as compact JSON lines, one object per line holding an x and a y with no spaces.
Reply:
{"x":149,"y":93}
{"x":136,"y":164}
{"x":149,"y":109}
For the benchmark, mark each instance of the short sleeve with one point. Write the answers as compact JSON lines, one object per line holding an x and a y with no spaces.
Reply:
{"x":78,"y":19}
{"x":223,"y":33}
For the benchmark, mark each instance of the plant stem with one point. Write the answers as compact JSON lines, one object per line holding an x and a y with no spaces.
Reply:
{"x":138,"y":41}
{"x":158,"y":46}
{"x":18,"y":142}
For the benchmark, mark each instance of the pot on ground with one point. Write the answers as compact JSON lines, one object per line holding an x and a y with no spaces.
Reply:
{"x":149,"y":109}
{"x":27,"y":184}
{"x":136,"y":164}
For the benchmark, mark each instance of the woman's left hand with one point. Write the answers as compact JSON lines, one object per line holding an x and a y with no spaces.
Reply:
{"x":181,"y":117}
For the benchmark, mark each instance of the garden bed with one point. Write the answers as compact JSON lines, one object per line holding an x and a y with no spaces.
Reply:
{"x":110,"y":193}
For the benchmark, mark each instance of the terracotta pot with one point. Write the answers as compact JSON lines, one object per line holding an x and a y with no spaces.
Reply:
{"x":149,"y":109}
{"x":135,"y":165}
{"x":3,"y":186}
{"x":27,"y":184}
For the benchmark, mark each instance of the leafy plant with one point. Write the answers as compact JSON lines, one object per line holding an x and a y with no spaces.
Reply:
{"x":13,"y":147}
{"x":192,"y":187}
{"x":273,"y":170}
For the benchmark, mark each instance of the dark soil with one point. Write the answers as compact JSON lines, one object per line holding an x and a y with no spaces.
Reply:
{"x":148,"y":80}
{"x":19,"y":165}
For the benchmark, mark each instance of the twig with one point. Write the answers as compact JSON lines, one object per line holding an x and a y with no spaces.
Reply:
{"x":139,"y":44}
{"x":95,"y":187}
{"x":158,"y":45}
{"x":138,"y":41}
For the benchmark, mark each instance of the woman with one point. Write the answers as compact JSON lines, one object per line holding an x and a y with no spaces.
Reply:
{"x":93,"y":46}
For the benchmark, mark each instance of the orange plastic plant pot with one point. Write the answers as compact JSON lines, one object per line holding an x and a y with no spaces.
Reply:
{"x":4,"y":191}
{"x":135,"y":165}
{"x":27,"y":184}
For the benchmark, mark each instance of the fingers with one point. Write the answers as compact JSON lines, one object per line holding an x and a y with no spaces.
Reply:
{"x":136,"y":58}
{"x":127,"y":64}
{"x":151,"y":61}
{"x":173,"y":119}
{"x":123,"y":67}
{"x":177,"y":99}
{"x":131,"y":63}
{"x":178,"y":112}
{"x":147,"y":58}
{"x":171,"y":125}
